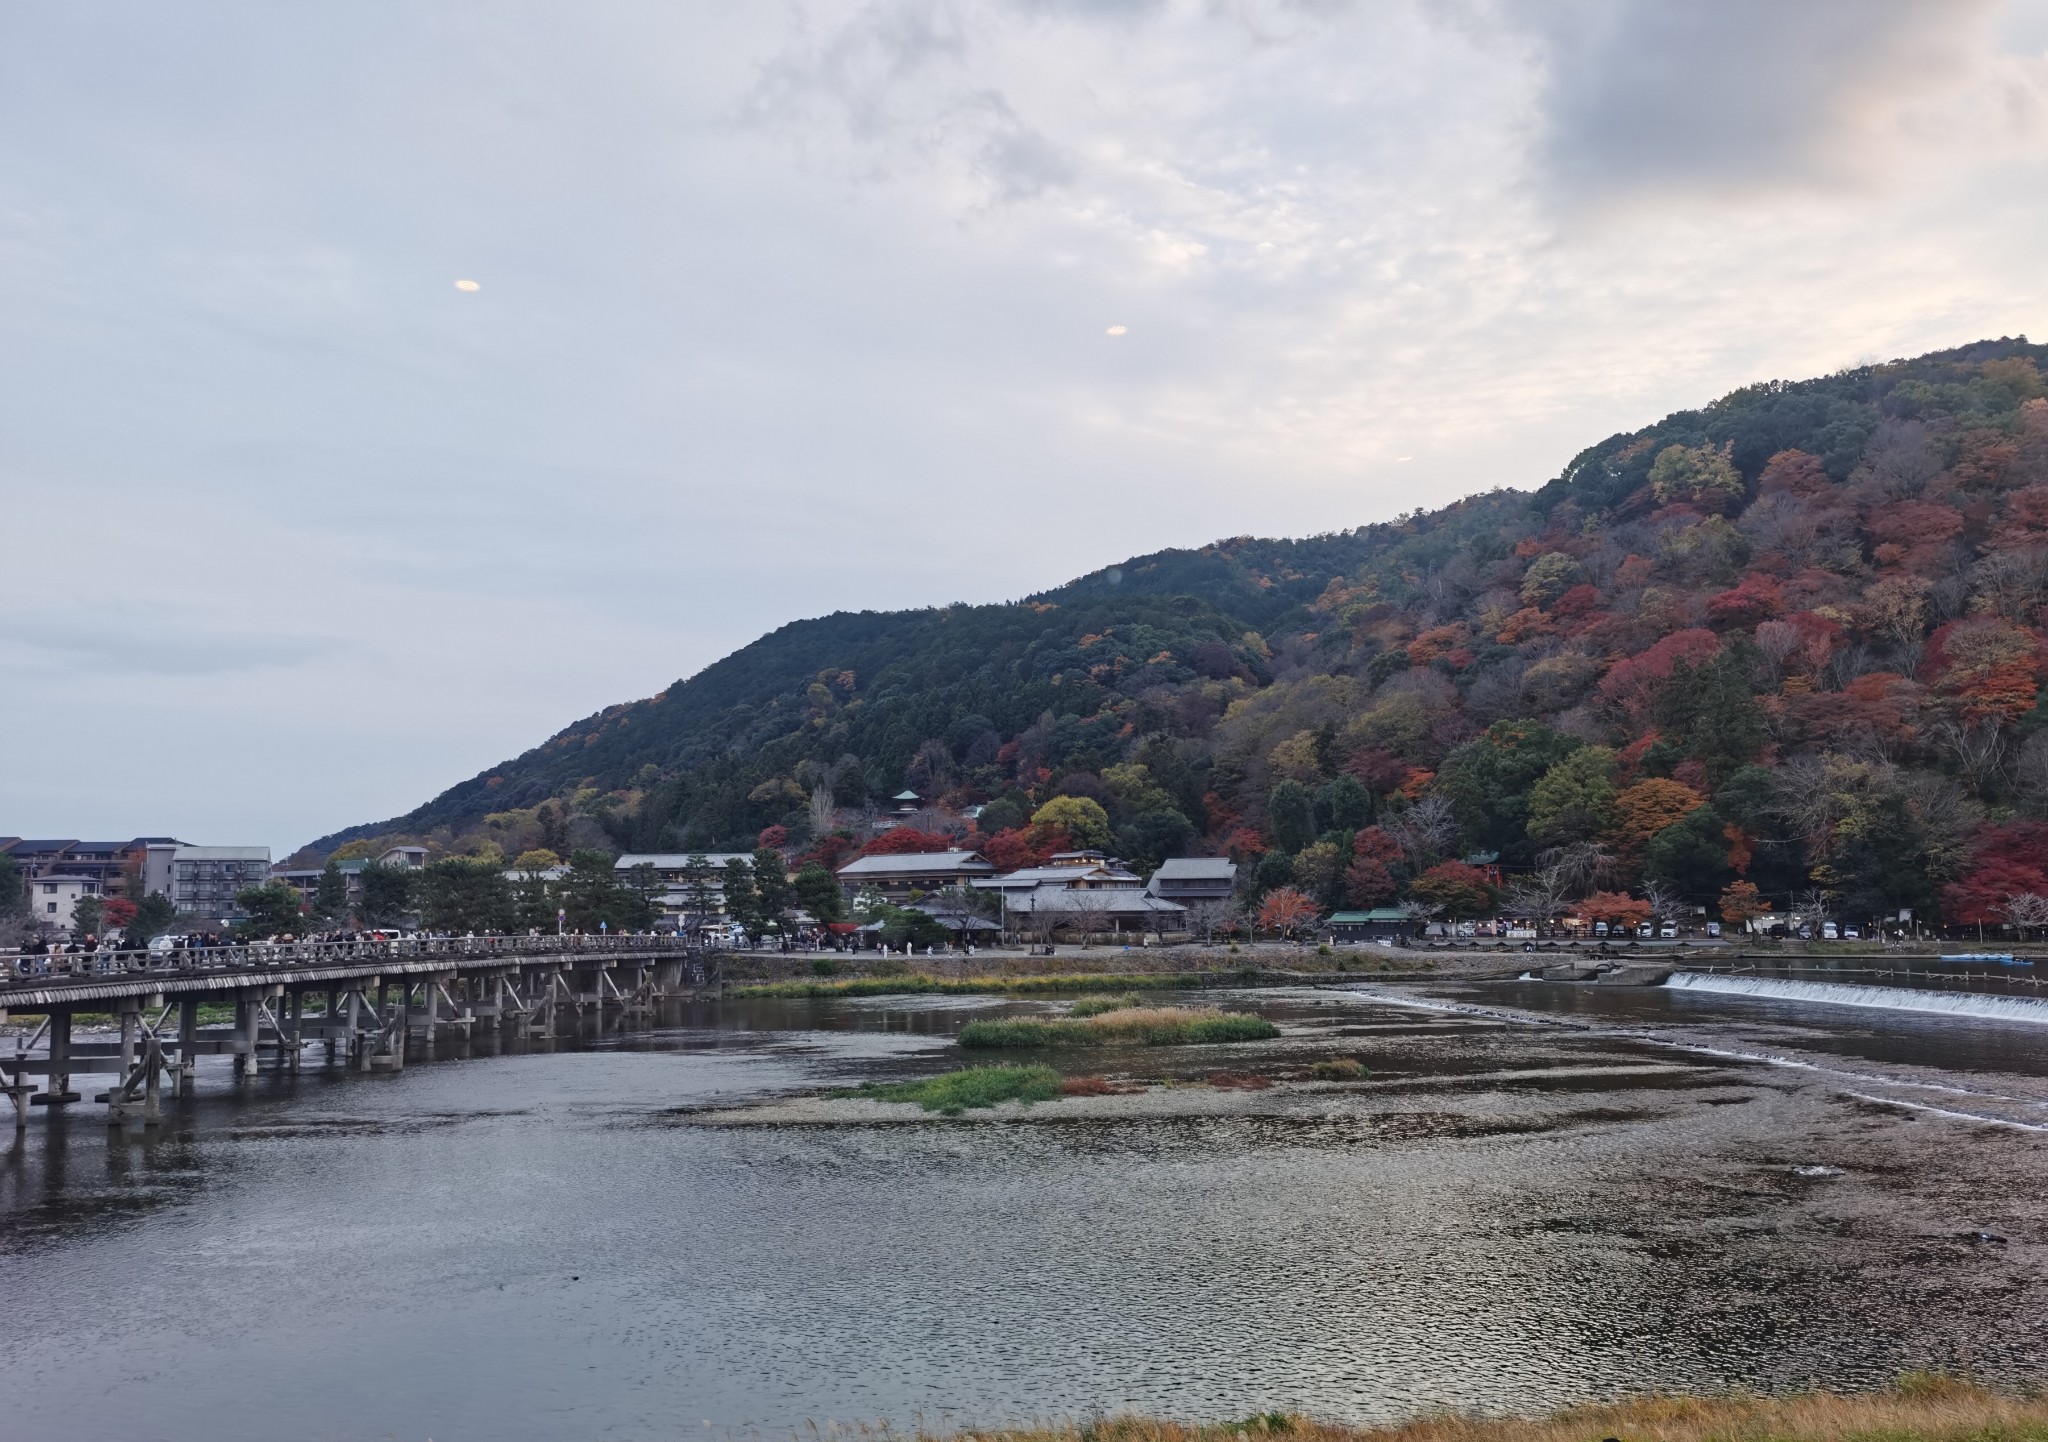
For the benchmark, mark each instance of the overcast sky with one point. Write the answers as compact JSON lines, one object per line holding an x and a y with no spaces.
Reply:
{"x":775,"y":309}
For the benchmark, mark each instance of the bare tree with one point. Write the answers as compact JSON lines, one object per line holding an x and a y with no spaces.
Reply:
{"x":1542,"y":894}
{"x":1205,"y":916}
{"x":2025,"y":910}
{"x":1582,"y":866}
{"x":1426,"y":831}
{"x":1666,"y":902}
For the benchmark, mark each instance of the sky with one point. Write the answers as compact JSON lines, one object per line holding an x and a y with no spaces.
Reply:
{"x":384,"y":386}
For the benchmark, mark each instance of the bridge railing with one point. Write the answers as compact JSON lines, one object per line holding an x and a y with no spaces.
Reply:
{"x":58,"y":967}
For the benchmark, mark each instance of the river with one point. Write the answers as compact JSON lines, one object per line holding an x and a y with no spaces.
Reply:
{"x":1541,"y":1194}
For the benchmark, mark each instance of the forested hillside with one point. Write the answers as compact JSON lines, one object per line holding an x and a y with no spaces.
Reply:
{"x":1793,"y":640}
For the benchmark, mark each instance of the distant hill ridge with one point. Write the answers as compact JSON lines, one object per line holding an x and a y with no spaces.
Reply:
{"x":1880,"y":522}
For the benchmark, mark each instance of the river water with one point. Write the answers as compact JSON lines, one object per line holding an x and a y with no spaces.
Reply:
{"x":1542,"y":1194}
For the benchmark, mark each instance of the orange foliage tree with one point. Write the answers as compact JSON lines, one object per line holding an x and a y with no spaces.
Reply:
{"x":1646,"y":808}
{"x":1286,"y":911}
{"x":1741,"y":901}
{"x":1615,"y":908}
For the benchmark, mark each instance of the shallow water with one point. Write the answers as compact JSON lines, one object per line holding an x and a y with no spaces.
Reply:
{"x":1518,"y":1209}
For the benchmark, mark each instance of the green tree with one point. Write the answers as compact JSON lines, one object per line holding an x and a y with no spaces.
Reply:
{"x":772,"y":892}
{"x":1694,"y":473}
{"x":639,"y":901}
{"x":1153,"y":836}
{"x":88,"y":916}
{"x":590,"y":892}
{"x":1082,"y":818}
{"x":1572,"y":801}
{"x":1294,"y":816}
{"x":13,"y":891}
{"x":1488,"y":780}
{"x":700,"y":888}
{"x":330,"y":900}
{"x":904,"y":924}
{"x":460,"y":893}
{"x":1342,"y":805}
{"x":154,"y":915}
{"x":1690,"y":856}
{"x":1710,"y":710}
{"x":817,"y":891}
{"x":1549,"y":576}
{"x":742,"y":901}
{"x":1881,"y":864}
{"x":268,"y":910}
{"x":386,"y":895}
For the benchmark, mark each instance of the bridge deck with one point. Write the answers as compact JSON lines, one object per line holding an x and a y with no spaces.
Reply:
{"x":97,"y":977}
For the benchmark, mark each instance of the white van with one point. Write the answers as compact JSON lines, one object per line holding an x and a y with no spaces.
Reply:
{"x":1829,"y":931}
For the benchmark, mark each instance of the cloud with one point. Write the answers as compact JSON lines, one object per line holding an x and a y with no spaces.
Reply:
{"x":1739,"y":95}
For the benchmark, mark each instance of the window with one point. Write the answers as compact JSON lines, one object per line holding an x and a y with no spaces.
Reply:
{"x":49,"y":888}
{"x":51,"y":908}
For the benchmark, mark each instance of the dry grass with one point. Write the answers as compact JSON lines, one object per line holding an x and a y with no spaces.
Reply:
{"x":1926,"y":1407}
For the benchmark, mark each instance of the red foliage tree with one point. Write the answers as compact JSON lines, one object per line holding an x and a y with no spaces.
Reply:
{"x":1368,"y":883}
{"x":772,"y":838}
{"x":904,"y":841}
{"x":1631,"y":684}
{"x":1023,"y":847}
{"x":1793,"y":473}
{"x":1758,"y":598}
{"x":1985,"y":667}
{"x":1377,"y":769}
{"x":1462,"y":891}
{"x":118,"y":911}
{"x":1372,"y":843}
{"x":831,"y":852}
{"x":2011,"y":859}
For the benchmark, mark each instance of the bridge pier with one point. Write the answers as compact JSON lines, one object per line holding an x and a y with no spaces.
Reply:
{"x":59,"y":1092}
{"x":188,"y":1045}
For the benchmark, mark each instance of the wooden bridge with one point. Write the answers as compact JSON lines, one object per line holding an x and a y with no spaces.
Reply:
{"x":373,"y":995}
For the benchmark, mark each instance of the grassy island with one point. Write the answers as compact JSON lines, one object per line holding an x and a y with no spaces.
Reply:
{"x":1126,"y":1025}
{"x":956,"y":1091}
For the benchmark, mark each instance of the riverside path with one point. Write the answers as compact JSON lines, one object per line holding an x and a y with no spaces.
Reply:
{"x":370,"y":997}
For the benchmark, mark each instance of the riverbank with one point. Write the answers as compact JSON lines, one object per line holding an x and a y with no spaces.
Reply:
{"x":1922,"y":1407}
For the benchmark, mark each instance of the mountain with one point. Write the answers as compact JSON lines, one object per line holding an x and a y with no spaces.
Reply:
{"x":1794,"y":638}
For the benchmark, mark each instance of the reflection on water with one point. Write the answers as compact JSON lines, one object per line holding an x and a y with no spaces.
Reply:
{"x":1508,"y":1214}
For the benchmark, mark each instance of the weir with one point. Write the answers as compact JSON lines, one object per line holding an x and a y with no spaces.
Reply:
{"x":374,"y":996}
{"x":1888,"y":998}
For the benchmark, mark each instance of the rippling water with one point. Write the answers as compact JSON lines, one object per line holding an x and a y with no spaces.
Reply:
{"x":1544,"y":1194}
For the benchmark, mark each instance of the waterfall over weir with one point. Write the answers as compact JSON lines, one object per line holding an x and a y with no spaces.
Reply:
{"x":1889,"y":998}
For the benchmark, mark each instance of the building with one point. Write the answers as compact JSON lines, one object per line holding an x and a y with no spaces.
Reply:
{"x":1189,"y":879}
{"x":1050,"y":908}
{"x":53,"y":899}
{"x":202,"y":880}
{"x":1081,"y":891}
{"x":898,"y":877}
{"x":105,"y":862}
{"x":1067,"y":871}
{"x":1383,"y":923}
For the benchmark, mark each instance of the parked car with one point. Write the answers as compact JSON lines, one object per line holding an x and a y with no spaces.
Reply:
{"x":1851,"y":933}
{"x":1645,"y":930}
{"x":1669,"y":931}
{"x":1713,"y":928}
{"x":1599,"y":928}
{"x":1829,"y":931}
